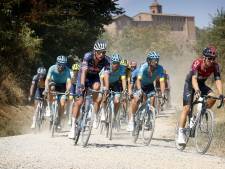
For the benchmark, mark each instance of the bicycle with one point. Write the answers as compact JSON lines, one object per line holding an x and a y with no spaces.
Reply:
{"x":54,"y":117}
{"x":144,"y":120}
{"x":112,"y":119}
{"x":39,"y":113}
{"x":83,"y":125}
{"x":199,"y":123}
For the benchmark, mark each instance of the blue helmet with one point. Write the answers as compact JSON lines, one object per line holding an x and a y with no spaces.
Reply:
{"x":115,"y":58}
{"x":152,"y":56}
{"x":100,"y":45}
{"x":61,"y":59}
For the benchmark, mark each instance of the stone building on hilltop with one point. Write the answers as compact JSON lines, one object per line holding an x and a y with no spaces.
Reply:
{"x":182,"y":27}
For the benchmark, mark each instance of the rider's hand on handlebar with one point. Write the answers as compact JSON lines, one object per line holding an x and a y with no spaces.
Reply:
{"x":197,"y":94}
{"x":222,"y":98}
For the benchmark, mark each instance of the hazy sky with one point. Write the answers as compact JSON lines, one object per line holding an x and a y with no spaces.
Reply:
{"x":202,"y":10}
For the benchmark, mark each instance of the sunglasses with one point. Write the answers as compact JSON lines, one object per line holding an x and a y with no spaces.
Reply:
{"x":101,"y":52}
{"x":211,"y":59}
{"x":114,"y":63}
{"x":61,"y":65}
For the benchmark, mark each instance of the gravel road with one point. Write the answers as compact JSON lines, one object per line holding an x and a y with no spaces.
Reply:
{"x":40,"y":151}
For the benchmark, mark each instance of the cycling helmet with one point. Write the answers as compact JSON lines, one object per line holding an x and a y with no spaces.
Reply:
{"x":124,"y":62}
{"x":61,"y":59}
{"x":115,"y":58}
{"x":152,"y":56}
{"x":133,"y":64}
{"x":209,"y":52}
{"x":41,"y":71}
{"x":75,"y":67}
{"x":100,"y":45}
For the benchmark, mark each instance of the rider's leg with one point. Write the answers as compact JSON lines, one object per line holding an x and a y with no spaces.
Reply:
{"x":187,"y":100}
{"x":96,"y":100}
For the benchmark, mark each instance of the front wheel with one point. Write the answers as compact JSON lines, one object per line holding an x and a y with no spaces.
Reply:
{"x":204,"y":131}
{"x":87,"y":124}
{"x":148,"y":125}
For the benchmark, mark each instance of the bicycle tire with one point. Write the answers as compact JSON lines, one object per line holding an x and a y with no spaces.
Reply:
{"x":137,"y":124}
{"x":149,"y":117}
{"x":204,"y":126}
{"x":87,"y":125}
{"x":111,"y":120}
{"x":77,"y":131}
{"x":54,"y":119}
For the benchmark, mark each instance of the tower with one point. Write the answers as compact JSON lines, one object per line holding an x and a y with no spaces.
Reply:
{"x":155,"y":8}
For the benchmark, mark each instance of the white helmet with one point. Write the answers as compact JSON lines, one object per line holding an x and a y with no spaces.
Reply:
{"x":41,"y":71}
{"x":100,"y":45}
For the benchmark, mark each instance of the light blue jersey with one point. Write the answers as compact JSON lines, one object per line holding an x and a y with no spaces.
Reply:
{"x":146,"y":77}
{"x":116,"y":75}
{"x":58,"y":78}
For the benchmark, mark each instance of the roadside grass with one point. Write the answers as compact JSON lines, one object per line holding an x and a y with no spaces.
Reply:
{"x":14,"y":120}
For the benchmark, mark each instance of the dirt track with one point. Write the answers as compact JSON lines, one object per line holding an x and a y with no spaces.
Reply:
{"x":40,"y":151}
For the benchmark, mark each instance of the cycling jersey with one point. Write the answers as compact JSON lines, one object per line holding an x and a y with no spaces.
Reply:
{"x":93,"y":70}
{"x":148,"y":78}
{"x":134,"y":75}
{"x":117,"y":75}
{"x":39,"y":86}
{"x":38,"y":82}
{"x":202,"y":75}
{"x":58,"y":77}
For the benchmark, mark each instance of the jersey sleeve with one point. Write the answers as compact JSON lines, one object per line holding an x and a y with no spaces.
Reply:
{"x":161,"y":73}
{"x":50,"y":70}
{"x":35,"y":79}
{"x":195,"y":67}
{"x":84,"y":64}
{"x":217,"y":72}
{"x":141,"y":70}
{"x":107,"y":64}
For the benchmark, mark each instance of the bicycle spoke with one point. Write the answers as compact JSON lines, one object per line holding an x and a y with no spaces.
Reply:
{"x":204,"y":132}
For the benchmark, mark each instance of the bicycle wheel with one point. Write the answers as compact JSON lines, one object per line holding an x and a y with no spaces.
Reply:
{"x":148,"y":125}
{"x":38,"y":119}
{"x":54,"y":119}
{"x":77,"y":131}
{"x":204,"y":131}
{"x":87,"y":124}
{"x":137,"y":123}
{"x":111,"y":120}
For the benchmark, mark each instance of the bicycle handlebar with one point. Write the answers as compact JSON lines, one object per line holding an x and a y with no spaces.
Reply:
{"x":205,"y":97}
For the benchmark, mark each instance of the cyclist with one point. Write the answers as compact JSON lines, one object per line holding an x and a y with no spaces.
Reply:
{"x":116,"y":73}
{"x":73,"y":73}
{"x":195,"y":85}
{"x":147,"y":74}
{"x":88,"y":76}
{"x":36,"y":89}
{"x":59,"y":77}
{"x":132,"y":65}
{"x":124,"y":63}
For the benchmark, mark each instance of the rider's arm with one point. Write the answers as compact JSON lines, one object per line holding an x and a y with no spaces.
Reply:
{"x":219,"y":87}
{"x":68,"y":82}
{"x":162,"y":85}
{"x":195,"y":83}
{"x":84,"y":70}
{"x":32,"y":89}
{"x":217,"y":78}
{"x":124,"y":82}
{"x":106,"y":80}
